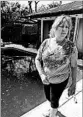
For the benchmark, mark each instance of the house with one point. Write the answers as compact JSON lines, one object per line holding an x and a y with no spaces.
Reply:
{"x":46,"y":18}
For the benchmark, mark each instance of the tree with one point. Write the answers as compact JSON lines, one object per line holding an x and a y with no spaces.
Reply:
{"x":12,"y":12}
{"x":30,"y":7}
{"x":60,"y":2}
{"x":42,"y":8}
{"x":54,"y":4}
{"x":24,"y":11}
{"x":36,"y":3}
{"x":9,"y":12}
{"x":49,"y":6}
{"x":4,"y":11}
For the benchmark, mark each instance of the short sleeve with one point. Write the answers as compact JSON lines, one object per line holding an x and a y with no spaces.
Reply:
{"x":74,"y":57}
{"x":38,"y":59}
{"x":40,"y":50}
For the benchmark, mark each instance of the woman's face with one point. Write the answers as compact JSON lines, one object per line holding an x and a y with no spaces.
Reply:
{"x":62,"y":31}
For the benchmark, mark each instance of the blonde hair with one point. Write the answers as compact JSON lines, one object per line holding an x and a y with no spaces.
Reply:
{"x":57,"y":22}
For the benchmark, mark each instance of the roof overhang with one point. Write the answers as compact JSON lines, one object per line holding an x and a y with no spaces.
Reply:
{"x":72,"y":8}
{"x":71,"y":12}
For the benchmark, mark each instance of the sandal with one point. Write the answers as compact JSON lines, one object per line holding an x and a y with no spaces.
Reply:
{"x":59,"y":114}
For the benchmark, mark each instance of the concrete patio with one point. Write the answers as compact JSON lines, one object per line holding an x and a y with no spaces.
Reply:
{"x":68,"y":105}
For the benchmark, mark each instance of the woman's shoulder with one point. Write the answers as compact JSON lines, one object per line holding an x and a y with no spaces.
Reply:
{"x":68,"y":47}
{"x":73,"y":45}
{"x":44,"y":43}
{"x":69,"y":42}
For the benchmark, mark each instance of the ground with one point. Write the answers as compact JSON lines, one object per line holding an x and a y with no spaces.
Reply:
{"x":21,"y":94}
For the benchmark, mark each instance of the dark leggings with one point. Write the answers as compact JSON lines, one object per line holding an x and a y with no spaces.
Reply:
{"x":53,"y":92}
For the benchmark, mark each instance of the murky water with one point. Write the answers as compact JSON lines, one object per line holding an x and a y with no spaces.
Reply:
{"x":20,"y":89}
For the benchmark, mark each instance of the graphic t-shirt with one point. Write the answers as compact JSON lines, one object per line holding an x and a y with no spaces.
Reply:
{"x":57,"y":63}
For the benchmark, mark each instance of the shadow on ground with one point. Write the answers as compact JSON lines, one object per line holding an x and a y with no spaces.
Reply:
{"x":19,"y":95}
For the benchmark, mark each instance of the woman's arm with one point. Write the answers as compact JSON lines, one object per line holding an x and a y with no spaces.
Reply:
{"x":39,"y":65}
{"x":74,"y":57}
{"x":41,"y":70}
{"x":74,"y":75}
{"x":38,"y":59}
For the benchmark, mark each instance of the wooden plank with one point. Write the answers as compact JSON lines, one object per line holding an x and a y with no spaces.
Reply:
{"x":19,"y":48}
{"x":41,"y":30}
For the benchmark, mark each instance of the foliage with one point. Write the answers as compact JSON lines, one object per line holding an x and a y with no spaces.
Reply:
{"x":19,"y":67}
{"x":11,"y":11}
{"x":53,"y":4}
{"x":49,"y":6}
{"x":42,"y":8}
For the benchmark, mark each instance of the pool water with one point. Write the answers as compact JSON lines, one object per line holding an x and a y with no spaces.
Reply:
{"x":20,"y":92}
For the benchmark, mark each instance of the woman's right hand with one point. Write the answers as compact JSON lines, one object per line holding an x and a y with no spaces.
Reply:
{"x":44,"y":79}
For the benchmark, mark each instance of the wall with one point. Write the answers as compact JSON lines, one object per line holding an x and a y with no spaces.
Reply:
{"x":80,"y":36}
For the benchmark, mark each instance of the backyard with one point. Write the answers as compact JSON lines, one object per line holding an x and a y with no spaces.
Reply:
{"x":21,"y":90}
{"x":21,"y":86}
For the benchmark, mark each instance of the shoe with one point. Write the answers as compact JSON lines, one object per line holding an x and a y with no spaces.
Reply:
{"x":59,"y":114}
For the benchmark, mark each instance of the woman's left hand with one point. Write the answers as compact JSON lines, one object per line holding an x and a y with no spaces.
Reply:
{"x":71,"y":90}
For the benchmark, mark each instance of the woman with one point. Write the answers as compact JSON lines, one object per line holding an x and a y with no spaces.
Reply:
{"x":55,"y":61}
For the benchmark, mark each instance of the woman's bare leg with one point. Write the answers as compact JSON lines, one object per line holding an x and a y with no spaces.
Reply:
{"x":53,"y":112}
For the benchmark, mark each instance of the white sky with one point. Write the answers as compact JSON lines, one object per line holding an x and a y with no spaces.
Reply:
{"x":40,"y":2}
